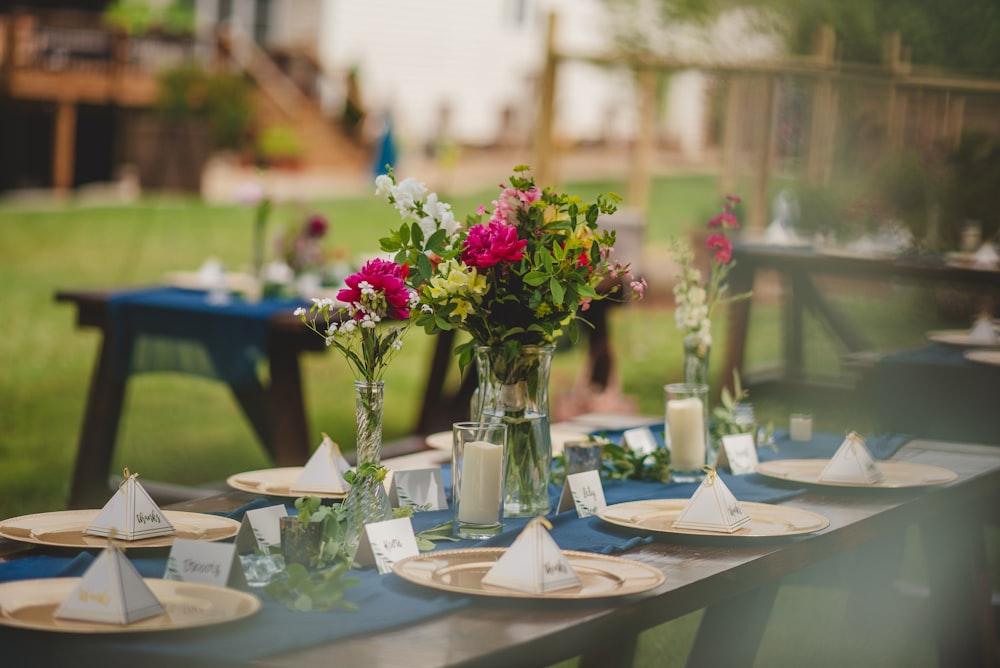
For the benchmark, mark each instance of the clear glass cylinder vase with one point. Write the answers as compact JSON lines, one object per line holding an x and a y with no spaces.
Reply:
{"x":367,"y":501}
{"x":514,"y":388}
{"x":696,"y":362}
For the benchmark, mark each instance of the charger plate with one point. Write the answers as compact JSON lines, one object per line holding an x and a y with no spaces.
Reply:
{"x":31,"y":604}
{"x":984,"y":356}
{"x":766,"y":520}
{"x":275,"y":482}
{"x":895,"y":475}
{"x":65,"y":528}
{"x":442,"y":440}
{"x":958,"y":337}
{"x":462,"y":572}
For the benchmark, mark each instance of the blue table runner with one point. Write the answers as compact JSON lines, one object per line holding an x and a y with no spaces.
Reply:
{"x":385,"y":601}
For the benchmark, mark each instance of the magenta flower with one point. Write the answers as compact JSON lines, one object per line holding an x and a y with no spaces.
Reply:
{"x":316,"y":226}
{"x":721,"y":246}
{"x":724,"y":219}
{"x":487,"y":245}
{"x":379,"y":277}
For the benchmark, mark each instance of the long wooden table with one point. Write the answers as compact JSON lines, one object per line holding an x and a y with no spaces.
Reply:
{"x":735,"y":583}
{"x":799,"y":269}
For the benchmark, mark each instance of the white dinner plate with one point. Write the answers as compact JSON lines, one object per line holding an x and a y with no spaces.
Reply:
{"x":65,"y":528}
{"x":895,"y":475}
{"x":462,"y":572}
{"x":958,"y":337}
{"x":31,"y":604}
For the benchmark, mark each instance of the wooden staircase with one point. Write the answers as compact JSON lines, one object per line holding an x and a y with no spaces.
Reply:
{"x":279,"y":102}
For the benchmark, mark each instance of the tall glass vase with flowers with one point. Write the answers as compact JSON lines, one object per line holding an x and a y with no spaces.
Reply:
{"x":514,"y":281}
{"x":358,"y":325}
{"x":696,"y":301}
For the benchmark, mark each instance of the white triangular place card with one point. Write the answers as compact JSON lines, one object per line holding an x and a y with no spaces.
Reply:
{"x":534,"y":563}
{"x":712,"y":507}
{"x":260,"y":530}
{"x":983,"y":331}
{"x":130,"y":514}
{"x":111,"y":591}
{"x":584,"y":492}
{"x":852,"y":463}
{"x":420,"y":489}
{"x":214,"y":563}
{"x":324,"y":472}
{"x":385,"y":543}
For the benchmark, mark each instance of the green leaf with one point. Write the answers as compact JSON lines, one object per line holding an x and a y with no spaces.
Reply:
{"x":534,"y":278}
{"x":557,"y":291}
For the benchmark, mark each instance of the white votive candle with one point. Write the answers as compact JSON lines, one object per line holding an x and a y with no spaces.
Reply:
{"x":800,"y":427}
{"x":686,"y":422}
{"x":482,"y":473}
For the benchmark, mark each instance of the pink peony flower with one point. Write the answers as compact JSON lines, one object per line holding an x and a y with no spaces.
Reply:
{"x":512,"y":201}
{"x":720,"y":245}
{"x":383,"y":277}
{"x":487,"y":245}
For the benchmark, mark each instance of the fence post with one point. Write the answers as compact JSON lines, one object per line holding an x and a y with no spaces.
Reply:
{"x":644,"y":143}
{"x":546,"y":108}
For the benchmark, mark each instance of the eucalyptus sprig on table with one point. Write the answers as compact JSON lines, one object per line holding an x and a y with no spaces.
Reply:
{"x":323,"y":587}
{"x":622,"y":463}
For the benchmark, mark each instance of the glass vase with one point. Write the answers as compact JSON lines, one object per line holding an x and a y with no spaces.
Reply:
{"x":514,"y":388}
{"x":696,"y":363}
{"x":367,"y":501}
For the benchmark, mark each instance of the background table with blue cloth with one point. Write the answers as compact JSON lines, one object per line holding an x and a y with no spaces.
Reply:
{"x":171,"y":329}
{"x":935,"y":392}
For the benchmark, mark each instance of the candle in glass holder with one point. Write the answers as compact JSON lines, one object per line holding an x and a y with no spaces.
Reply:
{"x":477,"y":478}
{"x":686,"y":432}
{"x":800,"y":427}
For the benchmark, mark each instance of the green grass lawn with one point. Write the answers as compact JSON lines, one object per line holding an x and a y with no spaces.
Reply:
{"x":190,"y":431}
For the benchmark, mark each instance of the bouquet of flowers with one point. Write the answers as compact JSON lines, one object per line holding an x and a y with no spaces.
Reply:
{"x":516,"y":278}
{"x":514,"y":281}
{"x":351,"y":324}
{"x":696,"y":301}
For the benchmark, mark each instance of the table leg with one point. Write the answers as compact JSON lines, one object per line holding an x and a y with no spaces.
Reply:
{"x":253,"y":400}
{"x":289,"y":424}
{"x":731,"y":630}
{"x":99,"y":431}
{"x":961,"y":611}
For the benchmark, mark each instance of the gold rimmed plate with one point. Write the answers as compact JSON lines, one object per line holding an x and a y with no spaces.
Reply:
{"x":65,"y":528}
{"x":959,"y":337}
{"x":895,"y":475}
{"x":31,"y":604}
{"x":275,"y":482}
{"x":991,"y":357}
{"x":442,"y":440}
{"x":766,"y":520}
{"x":462,"y":572}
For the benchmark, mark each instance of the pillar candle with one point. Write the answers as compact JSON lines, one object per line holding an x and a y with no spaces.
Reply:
{"x":479,"y":492}
{"x":686,"y":420}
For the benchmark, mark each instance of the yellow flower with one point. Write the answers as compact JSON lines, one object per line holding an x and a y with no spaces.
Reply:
{"x":455,"y":278}
{"x":462,"y":309}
